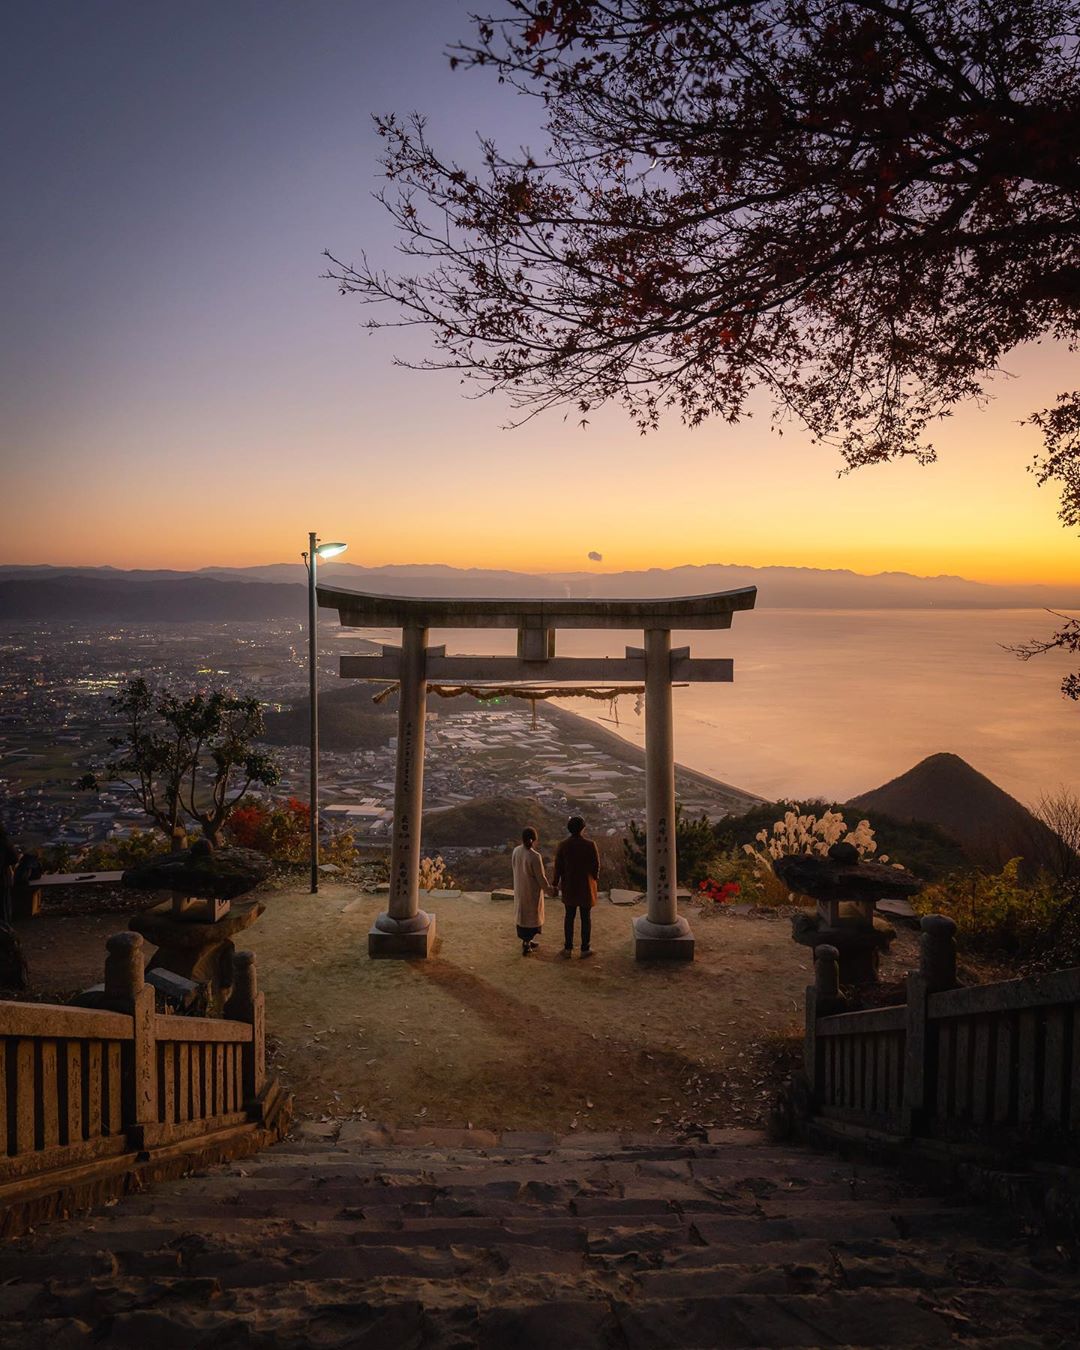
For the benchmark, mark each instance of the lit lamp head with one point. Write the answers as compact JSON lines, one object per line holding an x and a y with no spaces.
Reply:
{"x":330,"y":550}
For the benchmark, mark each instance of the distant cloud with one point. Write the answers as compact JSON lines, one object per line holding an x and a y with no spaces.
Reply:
{"x":596,"y":557}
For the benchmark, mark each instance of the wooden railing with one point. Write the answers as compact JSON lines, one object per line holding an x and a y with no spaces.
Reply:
{"x":80,"y":1084}
{"x":995,"y":1064}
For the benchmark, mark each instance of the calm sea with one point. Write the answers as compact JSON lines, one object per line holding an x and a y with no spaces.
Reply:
{"x":833,"y":702}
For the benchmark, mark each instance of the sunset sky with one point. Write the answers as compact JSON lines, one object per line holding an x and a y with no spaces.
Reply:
{"x":179,"y":388}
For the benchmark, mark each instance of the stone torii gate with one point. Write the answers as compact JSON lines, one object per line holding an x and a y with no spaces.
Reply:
{"x":405,"y":929}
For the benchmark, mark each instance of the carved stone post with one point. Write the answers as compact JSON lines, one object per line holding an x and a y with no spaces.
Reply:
{"x":827,"y":974}
{"x":661,"y":932}
{"x":822,"y":998}
{"x":405,"y":929}
{"x":124,"y":968}
{"x":937,"y":972}
{"x":937,"y":952}
{"x":246,"y":1004}
{"x":126,"y":990}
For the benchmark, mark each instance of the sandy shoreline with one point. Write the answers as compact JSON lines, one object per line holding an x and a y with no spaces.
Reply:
{"x":626,"y":752}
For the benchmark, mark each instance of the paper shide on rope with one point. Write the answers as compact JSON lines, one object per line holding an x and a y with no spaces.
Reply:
{"x":534,"y":694}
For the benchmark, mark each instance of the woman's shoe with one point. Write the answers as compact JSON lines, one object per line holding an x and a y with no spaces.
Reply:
{"x":526,"y":948}
{"x":586,"y":951}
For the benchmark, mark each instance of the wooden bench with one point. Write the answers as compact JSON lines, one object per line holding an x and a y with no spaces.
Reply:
{"x":26,"y":898}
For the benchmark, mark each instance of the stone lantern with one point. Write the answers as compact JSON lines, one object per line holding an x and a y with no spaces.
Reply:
{"x":194,"y":930}
{"x":846,"y":890}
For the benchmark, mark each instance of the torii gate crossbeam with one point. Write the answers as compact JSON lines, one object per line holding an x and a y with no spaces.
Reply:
{"x":405,"y":929}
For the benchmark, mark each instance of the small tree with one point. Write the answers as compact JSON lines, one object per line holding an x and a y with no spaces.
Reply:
{"x":1060,"y":812}
{"x":225,"y":763}
{"x":150,"y":758}
{"x":855,"y":209}
{"x":186,"y":759}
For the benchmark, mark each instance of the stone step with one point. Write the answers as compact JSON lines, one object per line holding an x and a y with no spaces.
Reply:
{"x":590,"y":1242}
{"x":357,"y":1264}
{"x":719,"y":1160}
{"x":193,"y":1313}
{"x":738,"y":1321}
{"x":782,"y":1320}
{"x":544,"y":1182}
{"x":825,"y":1270}
{"x":665,"y":1266}
{"x":920,"y":1216}
{"x":252,"y":1220}
{"x":411,"y":1264}
{"x":560,"y":1234}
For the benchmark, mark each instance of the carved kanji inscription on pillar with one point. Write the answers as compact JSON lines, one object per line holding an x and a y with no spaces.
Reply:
{"x":663,"y":879}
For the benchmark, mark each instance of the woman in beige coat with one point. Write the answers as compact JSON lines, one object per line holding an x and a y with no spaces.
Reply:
{"x":530,"y":883}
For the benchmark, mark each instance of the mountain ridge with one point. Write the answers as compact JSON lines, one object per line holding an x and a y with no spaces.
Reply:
{"x":40,"y":587}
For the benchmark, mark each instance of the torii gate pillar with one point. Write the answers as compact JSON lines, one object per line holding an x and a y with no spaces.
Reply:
{"x":662,"y":932}
{"x":405,"y":929}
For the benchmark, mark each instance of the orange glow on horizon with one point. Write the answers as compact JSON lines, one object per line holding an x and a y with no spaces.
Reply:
{"x":439,"y":482}
{"x":1053,"y":567}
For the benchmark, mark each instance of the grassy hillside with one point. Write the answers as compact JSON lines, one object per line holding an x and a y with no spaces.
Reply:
{"x":492,"y":822}
{"x":348,"y":720}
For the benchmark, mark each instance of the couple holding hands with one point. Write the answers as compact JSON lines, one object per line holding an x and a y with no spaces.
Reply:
{"x":577,"y":868}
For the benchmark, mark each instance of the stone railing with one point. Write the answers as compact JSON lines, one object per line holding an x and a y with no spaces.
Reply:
{"x":996,"y":1065}
{"x":89,"y":1094}
{"x":64,"y":1086}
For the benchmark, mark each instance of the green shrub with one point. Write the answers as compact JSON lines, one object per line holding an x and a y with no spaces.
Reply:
{"x":695,"y":847}
{"x":114,"y":855}
{"x":734,"y":865}
{"x":999,"y":914}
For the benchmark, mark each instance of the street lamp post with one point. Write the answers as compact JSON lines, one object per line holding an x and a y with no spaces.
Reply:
{"x":315,"y":551}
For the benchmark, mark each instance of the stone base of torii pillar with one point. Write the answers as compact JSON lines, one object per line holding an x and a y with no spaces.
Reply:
{"x":414,"y":936}
{"x":662,"y":941}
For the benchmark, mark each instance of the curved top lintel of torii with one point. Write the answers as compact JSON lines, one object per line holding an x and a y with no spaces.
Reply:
{"x":358,"y":609}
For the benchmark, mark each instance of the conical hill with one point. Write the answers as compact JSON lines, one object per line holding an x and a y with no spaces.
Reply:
{"x":991,"y":827}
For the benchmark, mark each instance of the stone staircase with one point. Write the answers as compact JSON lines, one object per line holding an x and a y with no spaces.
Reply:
{"x":447,"y":1240}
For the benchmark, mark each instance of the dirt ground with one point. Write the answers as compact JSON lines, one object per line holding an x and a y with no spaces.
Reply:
{"x":481,"y":1035}
{"x":65,"y":953}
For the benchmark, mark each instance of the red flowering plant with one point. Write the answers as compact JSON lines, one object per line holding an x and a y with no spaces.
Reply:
{"x":721,"y":892}
{"x":282,"y":830}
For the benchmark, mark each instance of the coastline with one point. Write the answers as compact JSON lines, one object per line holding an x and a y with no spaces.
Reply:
{"x":619,"y":748}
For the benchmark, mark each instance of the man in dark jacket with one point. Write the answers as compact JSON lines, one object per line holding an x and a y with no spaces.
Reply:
{"x":577,"y":868}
